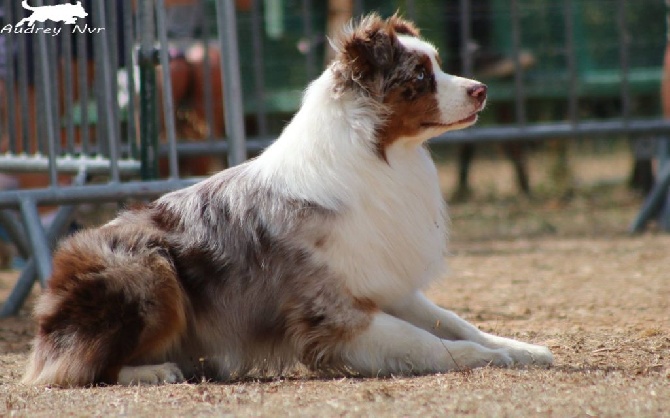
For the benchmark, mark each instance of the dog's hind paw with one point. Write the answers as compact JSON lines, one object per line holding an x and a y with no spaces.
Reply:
{"x":156,"y":374}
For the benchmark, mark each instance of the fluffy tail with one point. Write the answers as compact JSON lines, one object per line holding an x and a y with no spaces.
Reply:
{"x":26,"y":6}
{"x":111,"y":300}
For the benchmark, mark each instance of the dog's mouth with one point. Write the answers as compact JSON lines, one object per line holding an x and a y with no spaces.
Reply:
{"x":469,"y":120}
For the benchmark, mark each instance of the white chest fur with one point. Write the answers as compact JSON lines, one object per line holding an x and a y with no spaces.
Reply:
{"x":392,"y":240}
{"x":389,"y":235}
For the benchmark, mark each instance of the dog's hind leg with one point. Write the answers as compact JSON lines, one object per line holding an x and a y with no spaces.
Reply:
{"x":101,"y":314}
{"x":423,"y":313}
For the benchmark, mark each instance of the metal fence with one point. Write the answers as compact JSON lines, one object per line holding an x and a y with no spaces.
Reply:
{"x":67,"y":113}
{"x":86,"y":106}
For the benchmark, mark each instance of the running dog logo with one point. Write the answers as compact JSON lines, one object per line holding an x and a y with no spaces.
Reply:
{"x":66,"y":13}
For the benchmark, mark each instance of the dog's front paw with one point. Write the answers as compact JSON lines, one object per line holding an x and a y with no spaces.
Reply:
{"x":531,"y":354}
{"x":482,"y":357}
{"x":500,"y":358}
{"x":156,"y":374}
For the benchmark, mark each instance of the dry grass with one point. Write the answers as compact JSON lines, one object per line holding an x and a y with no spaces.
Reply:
{"x":560,"y":272}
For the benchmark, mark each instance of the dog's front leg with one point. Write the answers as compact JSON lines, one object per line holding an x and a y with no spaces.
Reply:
{"x":418,"y":310}
{"x":389,"y":346}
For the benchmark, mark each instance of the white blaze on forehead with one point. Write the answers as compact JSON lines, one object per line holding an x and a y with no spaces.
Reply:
{"x":421,"y":47}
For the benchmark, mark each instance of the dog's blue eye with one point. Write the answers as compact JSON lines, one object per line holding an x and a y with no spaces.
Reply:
{"x":420,"y":76}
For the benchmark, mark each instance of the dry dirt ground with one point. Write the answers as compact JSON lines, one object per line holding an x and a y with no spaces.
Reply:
{"x":559,"y":271}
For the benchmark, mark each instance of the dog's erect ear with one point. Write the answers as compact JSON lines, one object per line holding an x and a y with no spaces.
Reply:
{"x":402,"y":26}
{"x":371,"y":50}
{"x":367,"y":50}
{"x":370,"y":46}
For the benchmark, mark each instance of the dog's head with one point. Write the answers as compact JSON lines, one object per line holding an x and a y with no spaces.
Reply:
{"x":77,"y":10}
{"x":386,"y":60}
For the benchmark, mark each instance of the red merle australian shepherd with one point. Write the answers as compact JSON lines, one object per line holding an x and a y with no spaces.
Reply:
{"x":316,"y":252}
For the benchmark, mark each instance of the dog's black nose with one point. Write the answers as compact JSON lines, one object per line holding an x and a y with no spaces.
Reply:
{"x":478,"y":92}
